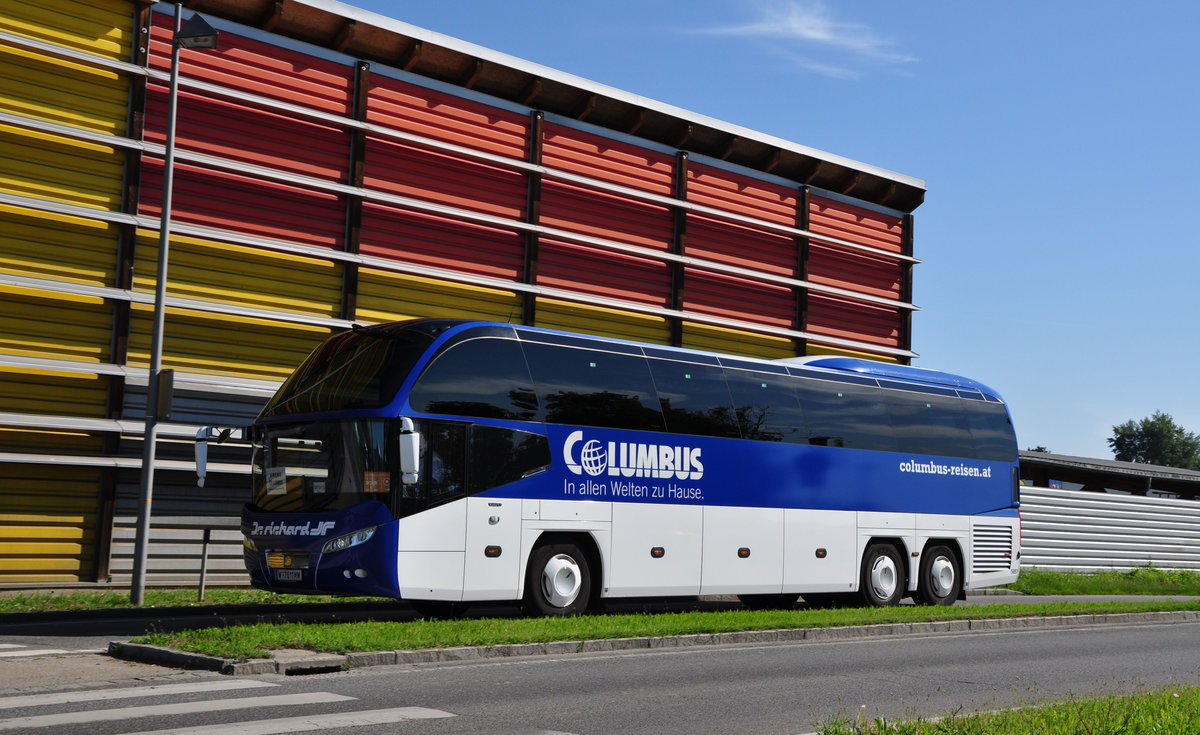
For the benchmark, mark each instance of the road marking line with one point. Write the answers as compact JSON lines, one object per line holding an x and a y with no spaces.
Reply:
{"x":156,"y":690}
{"x":306,"y":724}
{"x":32,"y":652}
{"x":163,"y":710}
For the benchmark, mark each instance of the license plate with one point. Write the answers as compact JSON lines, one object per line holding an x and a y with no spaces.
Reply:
{"x":287,"y":575}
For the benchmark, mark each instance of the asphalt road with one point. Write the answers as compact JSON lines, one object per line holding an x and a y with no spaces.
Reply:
{"x":775,"y":688}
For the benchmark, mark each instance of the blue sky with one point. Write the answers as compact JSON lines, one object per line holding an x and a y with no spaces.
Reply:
{"x":1058,"y":142}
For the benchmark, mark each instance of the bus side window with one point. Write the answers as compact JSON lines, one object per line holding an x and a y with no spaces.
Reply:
{"x":694,"y":398}
{"x":500,"y":456}
{"x":443,"y":461}
{"x":594,"y":387}
{"x":484,"y":377}
{"x":992,"y":430}
{"x":848,"y":415}
{"x":925,"y":423}
{"x":766,"y":407}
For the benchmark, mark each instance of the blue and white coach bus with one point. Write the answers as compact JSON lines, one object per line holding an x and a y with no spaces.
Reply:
{"x":450,"y":461}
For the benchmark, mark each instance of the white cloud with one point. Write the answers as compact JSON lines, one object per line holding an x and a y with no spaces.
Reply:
{"x":810,"y":27}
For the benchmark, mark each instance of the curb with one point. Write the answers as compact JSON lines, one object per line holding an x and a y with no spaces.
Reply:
{"x":292,"y":663}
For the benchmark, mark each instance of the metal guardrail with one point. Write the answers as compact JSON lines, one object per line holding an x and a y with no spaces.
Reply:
{"x":184,"y":551}
{"x":1090,"y":531}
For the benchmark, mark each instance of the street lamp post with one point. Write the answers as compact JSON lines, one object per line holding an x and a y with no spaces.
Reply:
{"x":197,"y":34}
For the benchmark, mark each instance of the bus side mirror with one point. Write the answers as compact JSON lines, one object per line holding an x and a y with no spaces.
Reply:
{"x":410,"y":452}
{"x":202,"y":437}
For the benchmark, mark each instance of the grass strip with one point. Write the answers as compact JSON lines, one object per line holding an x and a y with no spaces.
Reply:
{"x":1137,"y":581}
{"x":242,"y":642}
{"x":53,"y":601}
{"x":1171,"y":709}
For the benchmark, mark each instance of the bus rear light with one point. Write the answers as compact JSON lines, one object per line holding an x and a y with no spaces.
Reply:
{"x":350,"y":540}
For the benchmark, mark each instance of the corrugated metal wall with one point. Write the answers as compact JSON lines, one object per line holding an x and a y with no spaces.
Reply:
{"x":1087,"y":531}
{"x":51,"y":513}
{"x":313,"y":190}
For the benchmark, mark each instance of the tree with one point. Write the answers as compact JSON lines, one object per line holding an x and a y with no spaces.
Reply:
{"x":1156,"y":440}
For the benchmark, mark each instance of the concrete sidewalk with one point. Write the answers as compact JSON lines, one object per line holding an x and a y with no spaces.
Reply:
{"x":78,"y":670}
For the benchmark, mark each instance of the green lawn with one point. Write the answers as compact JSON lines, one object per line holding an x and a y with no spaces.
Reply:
{"x":1139,"y":581}
{"x":1165,"y":711}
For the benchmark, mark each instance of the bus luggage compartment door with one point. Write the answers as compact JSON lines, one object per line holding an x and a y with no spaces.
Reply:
{"x":743,"y":551}
{"x":656,"y":549}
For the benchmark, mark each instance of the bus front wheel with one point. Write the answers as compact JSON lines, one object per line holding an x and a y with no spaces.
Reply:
{"x":558,"y":582}
{"x":941,"y":577}
{"x":882,"y":580}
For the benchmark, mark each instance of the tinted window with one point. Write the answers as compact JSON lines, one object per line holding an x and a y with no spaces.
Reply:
{"x":694,"y":398}
{"x":594,"y":387}
{"x":358,"y":369}
{"x":500,"y":456}
{"x":442,"y":476}
{"x":480,"y":377}
{"x":766,"y":406}
{"x":841,"y":414}
{"x":929,"y":424}
{"x":993,"y":432}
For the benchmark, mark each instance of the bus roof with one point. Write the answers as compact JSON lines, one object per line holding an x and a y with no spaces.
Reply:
{"x":836,"y":365}
{"x":892,"y":371}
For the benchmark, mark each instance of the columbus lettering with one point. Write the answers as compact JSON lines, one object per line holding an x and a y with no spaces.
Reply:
{"x":631,"y":459}
{"x":938,"y":468}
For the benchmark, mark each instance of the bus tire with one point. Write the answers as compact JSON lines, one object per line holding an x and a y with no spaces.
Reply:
{"x":558,"y":581}
{"x":940,"y":577}
{"x":768,"y":601}
{"x":882,"y":580}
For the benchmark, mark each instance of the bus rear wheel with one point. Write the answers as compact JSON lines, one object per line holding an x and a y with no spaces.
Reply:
{"x":882,"y":581}
{"x":558,"y":581}
{"x":941,"y":577}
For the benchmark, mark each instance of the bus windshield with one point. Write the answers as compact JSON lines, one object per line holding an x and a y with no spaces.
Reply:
{"x":322,"y":466}
{"x":359,"y":369}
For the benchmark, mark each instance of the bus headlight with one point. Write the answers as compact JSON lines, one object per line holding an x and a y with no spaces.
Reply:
{"x":350,"y":540}
{"x":249,"y":543}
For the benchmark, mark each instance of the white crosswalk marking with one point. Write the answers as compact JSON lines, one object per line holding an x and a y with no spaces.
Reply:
{"x":266,"y":726}
{"x":157,"y":690}
{"x":310,"y":723}
{"x":182,"y":708}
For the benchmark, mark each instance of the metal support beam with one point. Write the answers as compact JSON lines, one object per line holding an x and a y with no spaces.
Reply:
{"x":201,"y":35}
